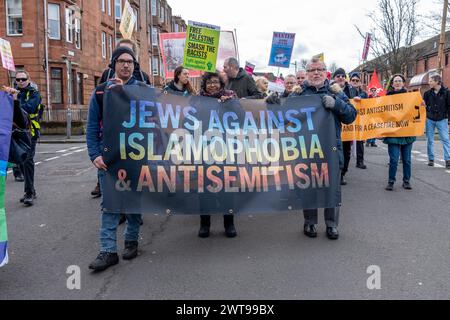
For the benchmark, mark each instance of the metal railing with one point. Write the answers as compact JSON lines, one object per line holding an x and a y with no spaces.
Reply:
{"x":80,"y":115}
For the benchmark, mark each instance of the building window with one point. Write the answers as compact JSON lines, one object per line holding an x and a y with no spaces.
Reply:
{"x":77,"y":85}
{"x":153,"y":8}
{"x":118,"y":8}
{"x":69,"y":25}
{"x":154,"y":36}
{"x":136,"y":14}
{"x":426,"y":64}
{"x":103,"y":5}
{"x":110,"y":46}
{"x":103,"y":45}
{"x":411,"y":72}
{"x":161,"y":14}
{"x":14,"y":17}
{"x":446,"y":60}
{"x":78,"y":33}
{"x":155,"y":66}
{"x":54,"y":31}
{"x":109,"y":7}
{"x":56,"y":87}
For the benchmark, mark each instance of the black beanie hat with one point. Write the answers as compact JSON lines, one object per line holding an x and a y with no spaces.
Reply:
{"x":355,"y":75}
{"x":339,"y":71}
{"x":118,"y":52}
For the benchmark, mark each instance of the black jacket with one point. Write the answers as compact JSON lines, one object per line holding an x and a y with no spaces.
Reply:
{"x":243,"y":85}
{"x":438,"y":105}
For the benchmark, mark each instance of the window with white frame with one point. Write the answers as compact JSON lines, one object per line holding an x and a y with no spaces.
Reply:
{"x":155,"y":66}
{"x":153,"y":8}
{"x":109,"y":7}
{"x":103,"y":5}
{"x":77,"y":32}
{"x":103,"y":45}
{"x":136,"y":14}
{"x":14,"y":17}
{"x":154,"y":36}
{"x":161,"y":14}
{"x":54,"y":31}
{"x":110,"y":46}
{"x":69,"y":25}
{"x":118,"y":8}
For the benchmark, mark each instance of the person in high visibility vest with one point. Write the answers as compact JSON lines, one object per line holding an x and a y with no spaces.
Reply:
{"x":29,"y":99}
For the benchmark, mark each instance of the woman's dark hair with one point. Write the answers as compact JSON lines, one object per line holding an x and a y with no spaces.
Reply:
{"x":208,"y":76}
{"x":391,"y":81}
{"x":176,"y":79}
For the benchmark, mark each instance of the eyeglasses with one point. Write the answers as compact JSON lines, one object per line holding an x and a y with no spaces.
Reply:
{"x":21,"y":79}
{"x":123,"y":62}
{"x":209,"y":83}
{"x":315,"y":70}
{"x":356,"y":80}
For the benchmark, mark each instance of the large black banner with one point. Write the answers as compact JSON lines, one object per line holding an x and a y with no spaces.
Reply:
{"x":197,"y":155}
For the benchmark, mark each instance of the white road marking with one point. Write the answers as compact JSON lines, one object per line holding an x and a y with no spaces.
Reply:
{"x":37,"y":163}
{"x":416,"y":152}
{"x":50,"y":159}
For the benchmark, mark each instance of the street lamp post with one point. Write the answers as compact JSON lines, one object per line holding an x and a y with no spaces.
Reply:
{"x":69,"y":99}
{"x":442,"y":41}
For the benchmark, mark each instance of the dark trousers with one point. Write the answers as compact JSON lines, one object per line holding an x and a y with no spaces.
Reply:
{"x":331,"y":216}
{"x":16,"y":171}
{"x":28,"y":170}
{"x":205,"y":220}
{"x":347,"y":148}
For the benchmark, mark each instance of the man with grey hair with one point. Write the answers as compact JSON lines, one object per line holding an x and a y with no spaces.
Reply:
{"x":238,"y":80}
{"x":335,"y":101}
{"x":437,"y":101}
{"x":301,"y":77}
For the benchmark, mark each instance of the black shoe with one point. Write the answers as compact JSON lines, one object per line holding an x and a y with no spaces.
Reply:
{"x":407,"y":186}
{"x":367,"y":144}
{"x":343,"y":181}
{"x":131,"y":250}
{"x":447,"y":165}
{"x":230,"y":231}
{"x":19,"y":178}
{"x":96,"y":193}
{"x":332,"y":233}
{"x":203,"y":232}
{"x":361,"y":166}
{"x":28,"y":200}
{"x":390,"y":187}
{"x":431,"y":163}
{"x":373,"y":145}
{"x":24,"y":196}
{"x":310,"y":230}
{"x":123,"y":219}
{"x":104,"y":260}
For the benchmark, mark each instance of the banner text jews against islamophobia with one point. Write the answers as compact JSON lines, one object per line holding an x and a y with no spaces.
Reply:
{"x":166,"y":152}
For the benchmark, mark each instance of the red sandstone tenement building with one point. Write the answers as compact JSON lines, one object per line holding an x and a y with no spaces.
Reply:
{"x":81,"y":35}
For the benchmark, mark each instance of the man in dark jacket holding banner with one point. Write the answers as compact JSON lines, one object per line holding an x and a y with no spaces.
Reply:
{"x":123,"y":61}
{"x":239,"y":81}
{"x":335,"y":101}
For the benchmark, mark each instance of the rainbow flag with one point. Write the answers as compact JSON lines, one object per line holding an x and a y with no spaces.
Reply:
{"x":6,"y":119}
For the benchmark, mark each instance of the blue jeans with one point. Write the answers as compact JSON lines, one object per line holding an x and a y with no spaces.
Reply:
{"x":394,"y":155}
{"x":110,"y":222}
{"x":442,"y":127}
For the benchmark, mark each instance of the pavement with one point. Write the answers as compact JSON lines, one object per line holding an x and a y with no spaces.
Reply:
{"x":58,"y":139}
{"x":403,"y":233}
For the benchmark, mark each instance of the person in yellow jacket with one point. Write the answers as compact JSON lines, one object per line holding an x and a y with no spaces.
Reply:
{"x":29,"y":99}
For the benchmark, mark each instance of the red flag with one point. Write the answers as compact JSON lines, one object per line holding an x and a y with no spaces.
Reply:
{"x":374,"y":89}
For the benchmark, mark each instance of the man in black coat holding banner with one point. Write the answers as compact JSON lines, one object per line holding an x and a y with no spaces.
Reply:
{"x":335,"y":101}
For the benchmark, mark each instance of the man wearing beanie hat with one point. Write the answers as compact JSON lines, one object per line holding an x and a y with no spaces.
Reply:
{"x":138,"y":73}
{"x":109,"y":74}
{"x":123,"y":61}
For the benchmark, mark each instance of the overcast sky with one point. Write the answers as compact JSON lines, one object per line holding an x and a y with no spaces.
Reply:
{"x":320,"y":26}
